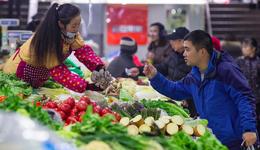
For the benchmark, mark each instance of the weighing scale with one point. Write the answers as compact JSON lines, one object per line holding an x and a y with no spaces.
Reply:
{"x":25,"y":36}
{"x":13,"y":36}
{"x":5,"y":23}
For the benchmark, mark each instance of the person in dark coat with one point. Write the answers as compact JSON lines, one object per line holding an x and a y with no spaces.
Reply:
{"x":128,"y":48}
{"x":232,"y":45}
{"x":175,"y":67}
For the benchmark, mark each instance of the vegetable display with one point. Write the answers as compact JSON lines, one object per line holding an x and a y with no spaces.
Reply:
{"x":121,"y":124}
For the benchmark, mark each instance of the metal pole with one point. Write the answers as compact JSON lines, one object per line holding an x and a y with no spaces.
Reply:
{"x":209,"y":20}
{"x":33,"y":9}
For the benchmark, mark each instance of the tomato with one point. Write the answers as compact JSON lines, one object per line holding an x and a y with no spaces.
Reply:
{"x":117,"y":116}
{"x":65,"y":108}
{"x":70,"y":101}
{"x":45,"y":107}
{"x":37,"y":104}
{"x":55,"y":109}
{"x":21,"y":95}
{"x":66,"y":124}
{"x":51,"y":104}
{"x":85,"y":98}
{"x":81,"y":113}
{"x":105,"y":111}
{"x":2,"y":98}
{"x":93,"y":103}
{"x":73,"y":112}
{"x":75,"y":106}
{"x":72,"y":119}
{"x":80,"y":119}
{"x":82,"y":106}
{"x":97,"y":109}
{"x":62,"y":115}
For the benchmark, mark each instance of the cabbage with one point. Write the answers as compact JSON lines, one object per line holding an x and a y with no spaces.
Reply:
{"x":129,"y":86}
{"x":147,"y":92}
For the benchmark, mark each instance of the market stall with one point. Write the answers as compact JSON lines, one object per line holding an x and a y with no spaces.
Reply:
{"x":126,"y":115}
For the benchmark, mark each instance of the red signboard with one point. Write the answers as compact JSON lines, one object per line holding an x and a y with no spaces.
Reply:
{"x":127,"y":20}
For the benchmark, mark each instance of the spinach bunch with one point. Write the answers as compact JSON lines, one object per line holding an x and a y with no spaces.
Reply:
{"x":14,"y":84}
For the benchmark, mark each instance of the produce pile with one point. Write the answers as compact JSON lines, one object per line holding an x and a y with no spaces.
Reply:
{"x":12,"y":83}
{"x":118,"y":123}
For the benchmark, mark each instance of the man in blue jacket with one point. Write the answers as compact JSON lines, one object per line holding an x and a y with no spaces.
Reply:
{"x":219,"y":90}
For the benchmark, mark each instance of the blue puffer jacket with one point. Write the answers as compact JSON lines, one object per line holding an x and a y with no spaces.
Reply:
{"x":223,"y":98}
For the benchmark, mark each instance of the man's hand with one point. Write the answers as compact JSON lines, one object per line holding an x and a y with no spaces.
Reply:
{"x":250,"y":138}
{"x":134,"y":71}
{"x":149,"y":70}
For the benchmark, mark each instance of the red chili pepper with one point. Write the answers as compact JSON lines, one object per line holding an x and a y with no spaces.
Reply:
{"x":2,"y":98}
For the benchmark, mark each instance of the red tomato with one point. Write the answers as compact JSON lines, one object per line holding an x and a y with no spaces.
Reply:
{"x":37,"y":104}
{"x":51,"y":104}
{"x":66,"y":124}
{"x":2,"y":98}
{"x":93,"y":103}
{"x":80,"y":119}
{"x":85,"y":98}
{"x":70,"y":101}
{"x":45,"y":107}
{"x":72,"y":119}
{"x":117,"y":116}
{"x":81,"y":113}
{"x":75,"y":106}
{"x":21,"y":95}
{"x":65,"y":108}
{"x":62,"y":115}
{"x":97,"y":110}
{"x":73,"y":112}
{"x":56,"y":109}
{"x":82,"y":106}
{"x":105,"y":111}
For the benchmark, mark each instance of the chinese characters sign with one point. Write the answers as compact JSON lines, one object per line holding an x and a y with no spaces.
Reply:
{"x":127,"y":20}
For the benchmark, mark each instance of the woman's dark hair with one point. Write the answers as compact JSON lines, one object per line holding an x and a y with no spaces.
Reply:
{"x":162,"y":40}
{"x":253,"y":43}
{"x":47,"y":39}
{"x":200,"y":39}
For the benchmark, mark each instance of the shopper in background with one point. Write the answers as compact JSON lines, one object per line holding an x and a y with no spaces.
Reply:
{"x":36,"y":20}
{"x":232,"y":45}
{"x":128,"y":48}
{"x":43,"y":54}
{"x":160,"y":48}
{"x":250,"y":65}
{"x":219,"y":89}
{"x":216,"y":43}
{"x":174,"y":68}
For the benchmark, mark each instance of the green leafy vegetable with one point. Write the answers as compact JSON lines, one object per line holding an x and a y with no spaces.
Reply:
{"x":15,"y":103}
{"x":170,"y":108}
{"x":125,"y":96}
{"x":14,"y":84}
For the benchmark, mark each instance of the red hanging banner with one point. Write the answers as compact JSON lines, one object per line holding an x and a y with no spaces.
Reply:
{"x":127,"y":20}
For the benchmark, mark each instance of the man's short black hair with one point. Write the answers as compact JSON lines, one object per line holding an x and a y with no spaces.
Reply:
{"x":200,"y":39}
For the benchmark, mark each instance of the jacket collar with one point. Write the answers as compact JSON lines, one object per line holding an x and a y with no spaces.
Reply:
{"x":211,"y":71}
{"x":128,"y":56}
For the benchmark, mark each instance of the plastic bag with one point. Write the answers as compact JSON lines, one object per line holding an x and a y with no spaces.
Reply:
{"x":21,"y":133}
